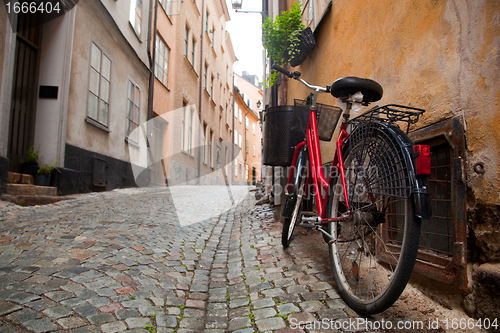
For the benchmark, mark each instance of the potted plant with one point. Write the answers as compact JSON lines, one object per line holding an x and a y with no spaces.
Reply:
{"x":286,"y":40}
{"x":29,"y":165}
{"x":44,"y":172}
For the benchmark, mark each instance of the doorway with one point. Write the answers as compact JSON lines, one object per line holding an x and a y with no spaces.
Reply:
{"x":24,"y":89}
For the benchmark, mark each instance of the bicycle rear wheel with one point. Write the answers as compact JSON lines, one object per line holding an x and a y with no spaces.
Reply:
{"x":374,"y":254}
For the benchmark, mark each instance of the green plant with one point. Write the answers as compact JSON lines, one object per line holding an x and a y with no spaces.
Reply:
{"x":281,"y":37}
{"x":46,"y":169}
{"x":150,"y":328}
{"x":32,"y":156}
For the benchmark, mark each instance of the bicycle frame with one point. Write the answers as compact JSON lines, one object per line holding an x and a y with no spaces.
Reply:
{"x":317,"y":177}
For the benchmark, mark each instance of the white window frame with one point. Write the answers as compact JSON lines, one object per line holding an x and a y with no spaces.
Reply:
{"x":133,"y":104}
{"x":103,"y":96}
{"x":135,"y":17}
{"x":162,"y":58}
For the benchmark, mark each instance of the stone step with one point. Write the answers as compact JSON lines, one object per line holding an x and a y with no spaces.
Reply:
{"x":28,"y":189}
{"x":19,"y":178}
{"x":33,"y":200}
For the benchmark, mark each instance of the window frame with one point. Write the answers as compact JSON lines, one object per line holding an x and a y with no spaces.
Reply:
{"x":159,"y":41}
{"x":134,"y":16}
{"x":186,"y":41}
{"x":453,"y":270}
{"x":90,"y":119}
{"x":137,"y":105}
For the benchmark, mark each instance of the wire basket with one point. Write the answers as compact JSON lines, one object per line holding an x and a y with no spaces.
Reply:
{"x":392,"y":114}
{"x":327,"y":117}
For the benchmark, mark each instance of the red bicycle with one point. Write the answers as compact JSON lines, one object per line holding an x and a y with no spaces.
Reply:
{"x":370,"y":207}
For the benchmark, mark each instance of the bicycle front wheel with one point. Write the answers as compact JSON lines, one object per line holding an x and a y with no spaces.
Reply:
{"x":296,"y":198}
{"x":375,"y":251}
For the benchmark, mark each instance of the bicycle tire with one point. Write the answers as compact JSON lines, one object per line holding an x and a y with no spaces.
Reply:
{"x":384,"y":227}
{"x":289,"y":224}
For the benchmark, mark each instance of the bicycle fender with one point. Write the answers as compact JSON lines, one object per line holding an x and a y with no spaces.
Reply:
{"x":418,"y":183}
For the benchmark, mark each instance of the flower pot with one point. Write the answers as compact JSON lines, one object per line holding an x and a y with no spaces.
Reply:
{"x":28,"y":168}
{"x":42,"y":180}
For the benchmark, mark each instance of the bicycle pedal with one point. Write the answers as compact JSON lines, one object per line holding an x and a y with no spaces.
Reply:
{"x":309,"y":214}
{"x":306,"y":225}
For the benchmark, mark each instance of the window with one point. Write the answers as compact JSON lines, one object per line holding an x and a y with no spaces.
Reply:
{"x":442,"y":252}
{"x":236,"y":168}
{"x":313,"y":12}
{"x":206,"y":143}
{"x":239,"y":140}
{"x":206,"y":22}
{"x":212,"y":35}
{"x":210,"y":161}
{"x":135,"y":15}
{"x":184,"y":124}
{"x":246,"y":122}
{"x":246,"y":172}
{"x":212,"y":87}
{"x":133,"y":108}
{"x":253,"y":128}
{"x":235,"y":137}
{"x":162,"y":55}
{"x":235,"y":110}
{"x":193,"y":48}
{"x":253,"y":150}
{"x":240,"y":115}
{"x":205,"y":75}
{"x":190,"y":131}
{"x":167,"y":6}
{"x":99,"y":83}
{"x":186,"y":41}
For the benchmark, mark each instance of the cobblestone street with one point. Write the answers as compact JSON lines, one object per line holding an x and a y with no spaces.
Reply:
{"x":120,"y":260}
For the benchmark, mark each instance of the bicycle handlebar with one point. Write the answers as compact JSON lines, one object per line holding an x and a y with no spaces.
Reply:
{"x":292,"y":75}
{"x":295,"y":75}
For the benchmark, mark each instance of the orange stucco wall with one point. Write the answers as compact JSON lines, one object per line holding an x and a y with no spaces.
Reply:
{"x":442,"y":56}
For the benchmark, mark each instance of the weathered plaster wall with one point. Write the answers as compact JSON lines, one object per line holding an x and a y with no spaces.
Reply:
{"x":439,"y":55}
{"x":443,"y":56}
{"x":125,"y":66}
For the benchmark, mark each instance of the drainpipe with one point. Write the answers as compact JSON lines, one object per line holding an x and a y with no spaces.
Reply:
{"x":152,"y":62}
{"x":246,"y":152}
{"x":203,"y":10}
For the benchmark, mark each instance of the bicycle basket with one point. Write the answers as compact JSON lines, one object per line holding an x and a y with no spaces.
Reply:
{"x":327,"y":118}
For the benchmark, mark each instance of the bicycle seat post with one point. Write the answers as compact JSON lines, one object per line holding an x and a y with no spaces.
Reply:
{"x":347,"y":112}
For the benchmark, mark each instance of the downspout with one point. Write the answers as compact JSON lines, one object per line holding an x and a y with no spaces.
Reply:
{"x":246,"y":152}
{"x":232,"y":137}
{"x":152,"y":62}
{"x":200,"y":90}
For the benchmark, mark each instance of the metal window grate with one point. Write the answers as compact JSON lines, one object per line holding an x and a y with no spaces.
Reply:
{"x":437,"y":232}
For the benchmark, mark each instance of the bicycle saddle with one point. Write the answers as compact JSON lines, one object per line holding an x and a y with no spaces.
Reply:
{"x":343,"y":87}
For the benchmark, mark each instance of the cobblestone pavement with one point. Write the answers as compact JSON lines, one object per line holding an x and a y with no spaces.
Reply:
{"x":120,"y":260}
